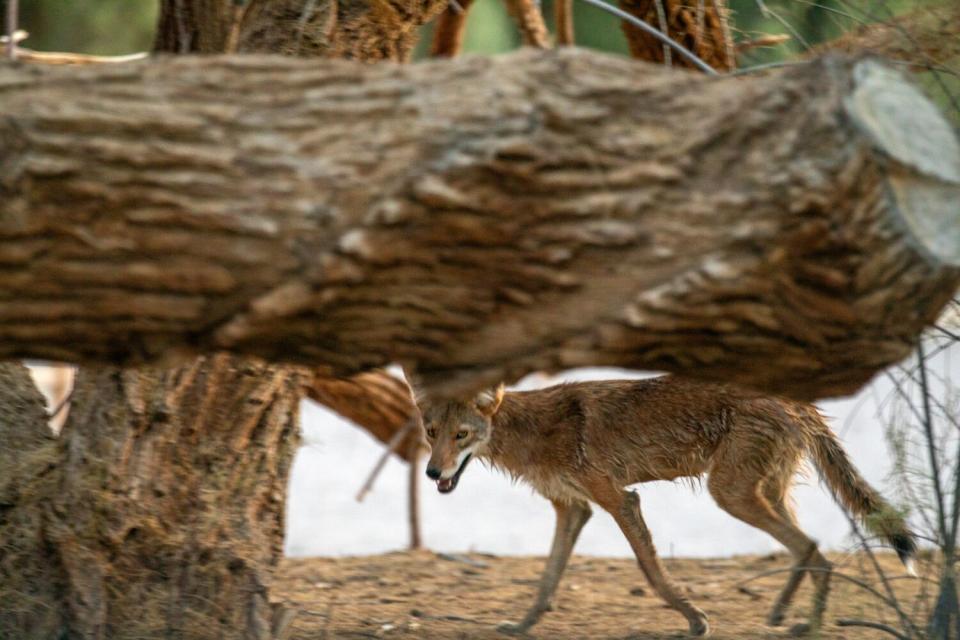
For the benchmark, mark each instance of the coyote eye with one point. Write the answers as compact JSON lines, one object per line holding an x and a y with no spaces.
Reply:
{"x":461,"y":435}
{"x":431,"y":433}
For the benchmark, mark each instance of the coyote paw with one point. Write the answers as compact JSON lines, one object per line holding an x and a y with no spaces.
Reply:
{"x":800,"y":630}
{"x":775,"y":619}
{"x":699,"y":627}
{"x":512,"y":628}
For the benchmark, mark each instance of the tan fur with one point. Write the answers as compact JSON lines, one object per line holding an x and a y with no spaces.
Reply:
{"x":585,"y":442}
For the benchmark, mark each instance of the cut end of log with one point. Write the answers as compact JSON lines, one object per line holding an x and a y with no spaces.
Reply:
{"x":925,"y":180}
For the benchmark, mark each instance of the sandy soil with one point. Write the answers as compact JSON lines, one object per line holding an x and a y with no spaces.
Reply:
{"x":427,"y":595}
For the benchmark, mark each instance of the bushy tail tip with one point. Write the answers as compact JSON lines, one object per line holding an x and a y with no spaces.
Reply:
{"x":906,"y":548}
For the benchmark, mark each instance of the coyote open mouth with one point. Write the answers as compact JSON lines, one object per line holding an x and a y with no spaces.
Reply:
{"x":446,"y":485}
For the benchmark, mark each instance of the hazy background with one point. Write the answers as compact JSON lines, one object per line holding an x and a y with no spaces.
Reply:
{"x":487,"y":512}
{"x":125,"y":26}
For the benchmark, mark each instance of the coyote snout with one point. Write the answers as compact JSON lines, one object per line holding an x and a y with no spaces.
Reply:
{"x":457,"y":432}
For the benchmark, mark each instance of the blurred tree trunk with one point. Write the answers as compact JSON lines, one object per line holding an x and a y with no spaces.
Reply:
{"x":368,"y":30}
{"x":478,"y":219}
{"x":702,"y":26}
{"x":159,"y":512}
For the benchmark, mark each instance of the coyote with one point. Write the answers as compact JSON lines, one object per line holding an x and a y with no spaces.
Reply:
{"x":584,"y":442}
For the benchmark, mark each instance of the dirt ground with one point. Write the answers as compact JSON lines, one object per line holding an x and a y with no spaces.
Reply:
{"x":427,"y":595}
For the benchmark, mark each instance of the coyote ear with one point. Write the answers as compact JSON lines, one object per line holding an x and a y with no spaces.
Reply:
{"x":489,"y":401}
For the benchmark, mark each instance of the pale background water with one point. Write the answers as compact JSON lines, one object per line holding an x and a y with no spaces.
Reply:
{"x":489,"y":513}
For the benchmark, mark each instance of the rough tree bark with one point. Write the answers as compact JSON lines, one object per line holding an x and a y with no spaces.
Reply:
{"x":159,"y":510}
{"x":159,"y":513}
{"x":702,"y":26}
{"x":478,"y":219}
{"x":31,"y":582}
{"x":368,"y":30}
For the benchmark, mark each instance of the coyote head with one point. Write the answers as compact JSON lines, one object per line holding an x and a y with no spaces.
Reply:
{"x":456,"y":431}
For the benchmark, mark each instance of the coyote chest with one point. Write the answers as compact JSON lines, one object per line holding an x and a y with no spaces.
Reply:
{"x":547,"y":481}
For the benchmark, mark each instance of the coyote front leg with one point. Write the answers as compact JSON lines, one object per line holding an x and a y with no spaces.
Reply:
{"x":624,"y":506}
{"x":570,"y":520}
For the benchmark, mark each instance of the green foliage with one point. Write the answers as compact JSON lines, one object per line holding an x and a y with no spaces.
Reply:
{"x":106,"y":27}
{"x":126,"y":26}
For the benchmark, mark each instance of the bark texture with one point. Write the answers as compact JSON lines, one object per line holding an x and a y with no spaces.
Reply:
{"x":31,"y":583}
{"x":381,"y":404}
{"x":702,"y":26}
{"x":477,"y":219}
{"x":368,"y":30}
{"x":158,"y":513}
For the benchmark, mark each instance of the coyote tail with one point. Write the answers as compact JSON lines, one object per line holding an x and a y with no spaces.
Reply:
{"x":852,"y":491}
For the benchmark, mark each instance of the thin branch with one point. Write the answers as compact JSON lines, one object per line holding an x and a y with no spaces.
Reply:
{"x":392,"y":446}
{"x":63,"y":58}
{"x":236,"y":24}
{"x":308,"y":10}
{"x":950,"y":544}
{"x":766,"y":66}
{"x":939,"y":404}
{"x":63,"y":405}
{"x":848,"y":622}
{"x":13,"y":18}
{"x":833,"y":574}
{"x":182,"y":33}
{"x":701,"y":21}
{"x":767,"y":12}
{"x":662,"y":19}
{"x":656,"y":33}
{"x":927,"y":422}
{"x":893,"y":602}
{"x":947,"y":332}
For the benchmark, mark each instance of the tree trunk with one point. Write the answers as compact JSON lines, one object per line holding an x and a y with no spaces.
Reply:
{"x":477,"y":219}
{"x":31,"y":582}
{"x":159,"y":511}
{"x":702,"y":26}
{"x":368,"y":30}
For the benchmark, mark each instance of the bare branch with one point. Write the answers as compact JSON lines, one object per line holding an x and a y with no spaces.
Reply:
{"x":13,"y":19}
{"x":849,"y":622}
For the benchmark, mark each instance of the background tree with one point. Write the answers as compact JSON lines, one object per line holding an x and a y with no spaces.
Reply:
{"x":164,"y":494}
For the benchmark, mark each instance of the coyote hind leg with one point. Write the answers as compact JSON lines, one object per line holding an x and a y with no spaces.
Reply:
{"x":779,"y":609}
{"x":775,"y":490}
{"x":742,"y":496}
{"x":570,"y":521}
